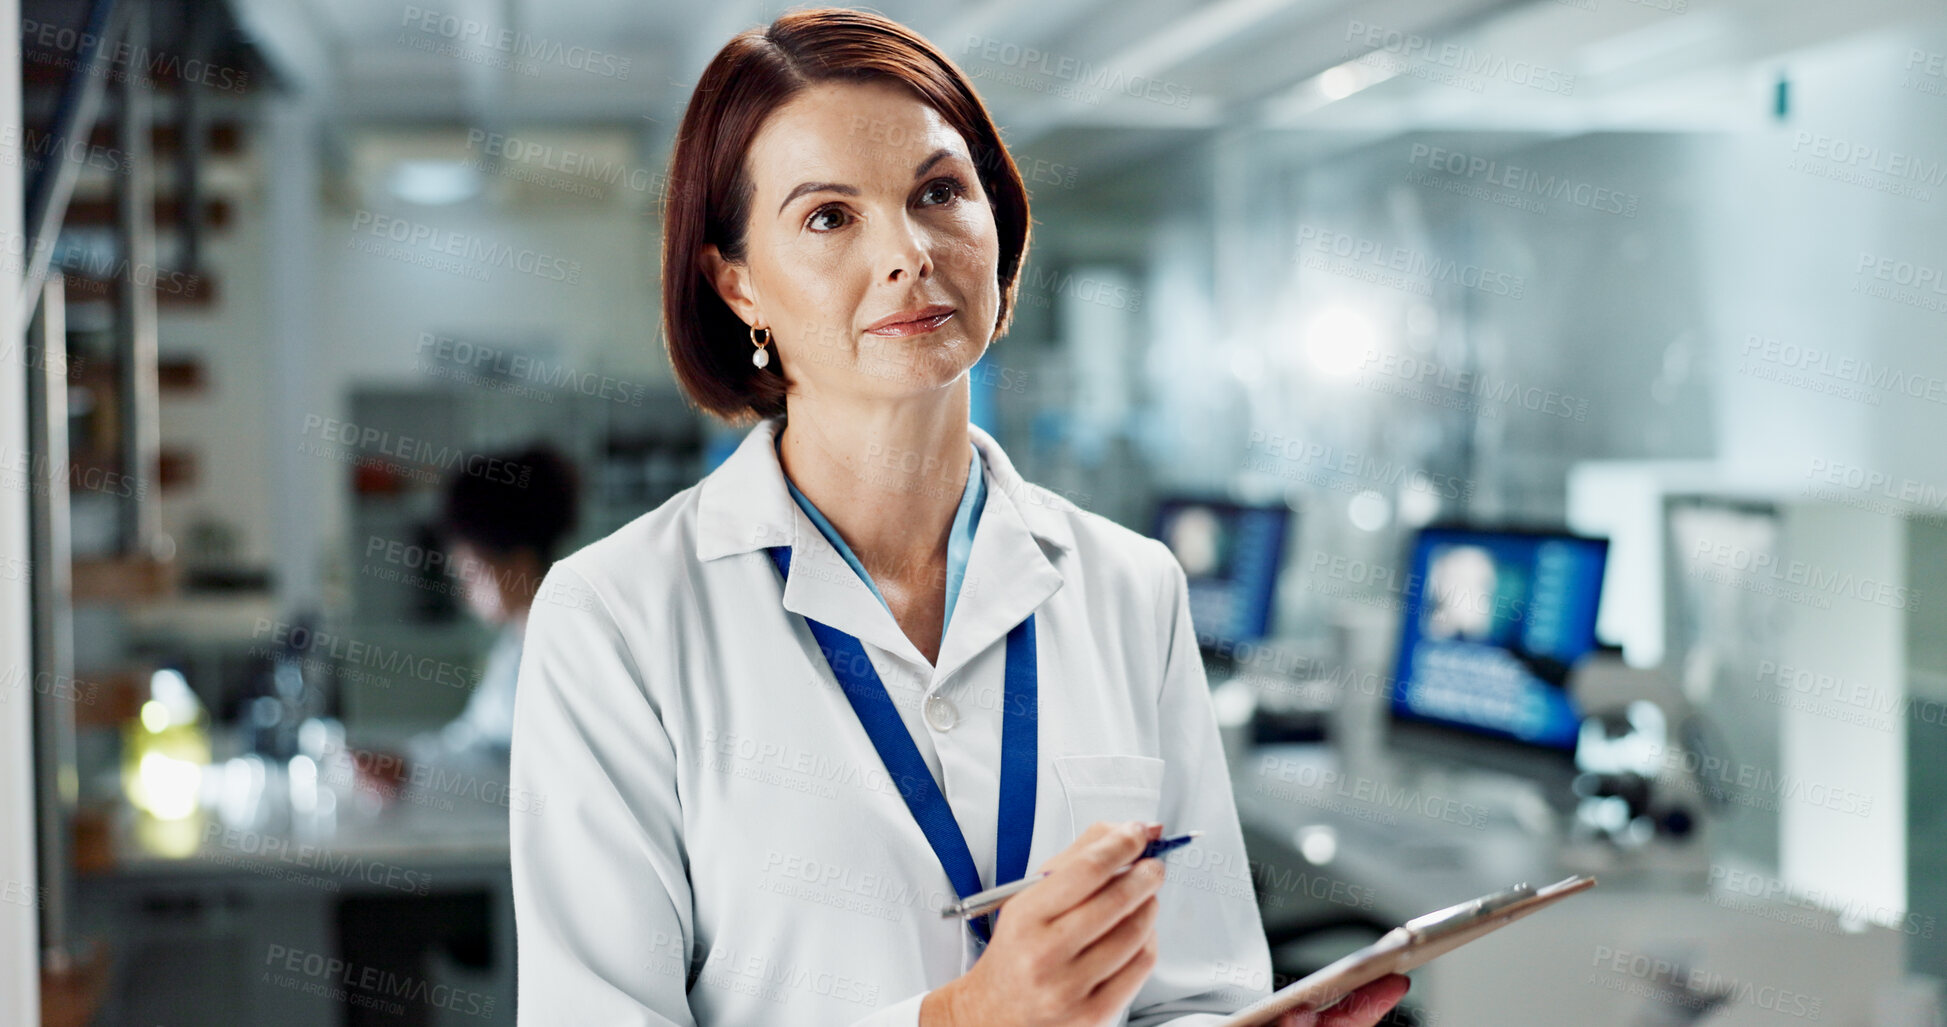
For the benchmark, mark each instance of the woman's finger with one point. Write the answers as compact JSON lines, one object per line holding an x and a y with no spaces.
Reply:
{"x":1082,"y":869}
{"x":1362,"y":1008}
{"x":1365,"y":1007}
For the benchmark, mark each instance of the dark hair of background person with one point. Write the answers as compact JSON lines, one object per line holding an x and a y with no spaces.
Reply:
{"x":710,"y":189}
{"x":521,"y":500}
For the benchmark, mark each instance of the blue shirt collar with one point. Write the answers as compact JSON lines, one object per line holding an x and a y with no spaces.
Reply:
{"x":959,"y":543}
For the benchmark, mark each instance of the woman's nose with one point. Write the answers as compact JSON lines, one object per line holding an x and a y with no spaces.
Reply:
{"x":905,"y":254}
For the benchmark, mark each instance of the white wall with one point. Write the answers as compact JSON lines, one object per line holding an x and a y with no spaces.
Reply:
{"x":1842,"y":817}
{"x":1780,"y":251}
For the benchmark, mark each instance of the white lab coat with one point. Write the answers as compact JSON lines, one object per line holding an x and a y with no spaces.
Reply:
{"x":714,"y":840}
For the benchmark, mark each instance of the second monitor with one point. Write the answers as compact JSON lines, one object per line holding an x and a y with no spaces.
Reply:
{"x":1493,"y":620}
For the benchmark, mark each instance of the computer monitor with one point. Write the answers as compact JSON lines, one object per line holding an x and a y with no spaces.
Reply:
{"x":1231,"y":555}
{"x":1492,"y":622}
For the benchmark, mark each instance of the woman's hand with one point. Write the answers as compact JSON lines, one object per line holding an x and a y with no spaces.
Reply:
{"x":1073,"y":950}
{"x":1362,"y":1008}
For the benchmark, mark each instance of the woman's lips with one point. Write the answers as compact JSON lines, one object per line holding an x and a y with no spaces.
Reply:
{"x":916,"y":327}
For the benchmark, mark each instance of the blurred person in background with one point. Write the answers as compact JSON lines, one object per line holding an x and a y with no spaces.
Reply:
{"x":502,"y":533}
{"x":502,"y":527}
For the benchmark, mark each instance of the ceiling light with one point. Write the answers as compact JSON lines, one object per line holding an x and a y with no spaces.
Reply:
{"x":433,"y":183}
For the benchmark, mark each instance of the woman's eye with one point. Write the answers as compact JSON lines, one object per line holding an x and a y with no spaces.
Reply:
{"x":941,"y":190}
{"x":824,"y":219}
{"x":938,"y":192}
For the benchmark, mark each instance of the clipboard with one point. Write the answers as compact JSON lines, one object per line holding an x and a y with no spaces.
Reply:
{"x":1409,"y":945}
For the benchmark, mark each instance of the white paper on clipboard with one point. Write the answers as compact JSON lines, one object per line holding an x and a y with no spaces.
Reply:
{"x":1409,"y":945}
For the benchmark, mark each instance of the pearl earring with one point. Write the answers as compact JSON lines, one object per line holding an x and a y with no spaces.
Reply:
{"x":761,"y":358}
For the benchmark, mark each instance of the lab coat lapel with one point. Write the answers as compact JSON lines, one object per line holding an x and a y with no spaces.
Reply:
{"x":743,"y":506}
{"x":1009,"y":575}
{"x":824,"y":588}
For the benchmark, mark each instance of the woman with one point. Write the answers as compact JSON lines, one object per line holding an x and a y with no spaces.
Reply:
{"x":862,"y":669}
{"x":502,"y":535}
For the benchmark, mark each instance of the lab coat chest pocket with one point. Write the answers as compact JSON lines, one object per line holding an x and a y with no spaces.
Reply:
{"x":1110,"y":787}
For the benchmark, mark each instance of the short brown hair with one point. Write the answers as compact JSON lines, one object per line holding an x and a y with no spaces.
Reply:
{"x":709,"y":187}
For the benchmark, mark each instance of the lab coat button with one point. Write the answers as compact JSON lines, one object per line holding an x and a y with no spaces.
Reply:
{"x":940,"y":713}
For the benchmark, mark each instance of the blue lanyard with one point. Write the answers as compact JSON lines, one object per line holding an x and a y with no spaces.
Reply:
{"x":902,"y":760}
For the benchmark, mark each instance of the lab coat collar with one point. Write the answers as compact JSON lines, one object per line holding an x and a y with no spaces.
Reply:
{"x":743,"y":506}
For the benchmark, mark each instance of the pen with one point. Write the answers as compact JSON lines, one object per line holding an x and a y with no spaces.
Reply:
{"x":982,"y":903}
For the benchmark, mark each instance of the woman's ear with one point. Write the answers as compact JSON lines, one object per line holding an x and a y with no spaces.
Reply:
{"x":732,"y":283}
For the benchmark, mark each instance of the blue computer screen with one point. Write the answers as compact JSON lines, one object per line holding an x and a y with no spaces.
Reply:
{"x":1491,"y":624}
{"x":1231,"y":555}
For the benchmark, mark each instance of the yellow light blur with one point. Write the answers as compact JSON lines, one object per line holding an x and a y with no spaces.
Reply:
{"x":167,"y":787}
{"x":155,"y":716}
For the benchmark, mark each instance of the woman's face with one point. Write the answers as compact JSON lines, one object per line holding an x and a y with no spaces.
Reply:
{"x":498,"y":588}
{"x":866,"y":213}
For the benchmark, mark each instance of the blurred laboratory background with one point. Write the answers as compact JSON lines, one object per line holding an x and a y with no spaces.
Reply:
{"x":1547,"y":400}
